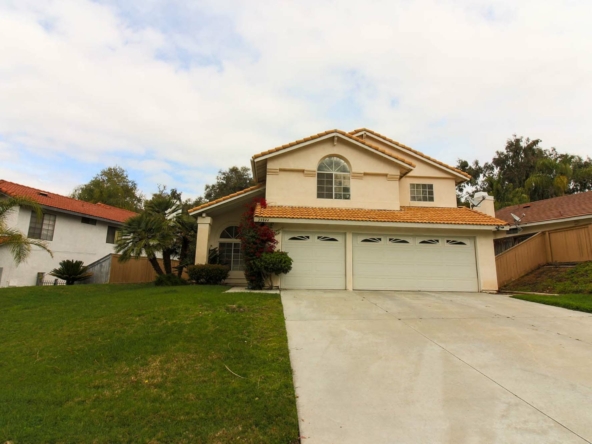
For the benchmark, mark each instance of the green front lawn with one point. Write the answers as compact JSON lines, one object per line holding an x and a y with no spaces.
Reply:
{"x":144,"y":364}
{"x":580,"y":302}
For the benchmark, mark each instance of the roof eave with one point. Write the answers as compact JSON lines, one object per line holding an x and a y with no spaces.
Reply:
{"x":459,"y":177}
{"x":340,"y":222}
{"x":255,"y":160}
{"x":202,"y":208}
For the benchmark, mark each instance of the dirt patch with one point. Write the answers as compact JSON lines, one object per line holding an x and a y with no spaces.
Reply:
{"x":555,"y":279}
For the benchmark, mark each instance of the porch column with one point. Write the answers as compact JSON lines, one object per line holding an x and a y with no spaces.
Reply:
{"x":202,"y":247}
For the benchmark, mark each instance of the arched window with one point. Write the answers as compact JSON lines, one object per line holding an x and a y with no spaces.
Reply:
{"x":333,"y":179}
{"x":229,"y":249}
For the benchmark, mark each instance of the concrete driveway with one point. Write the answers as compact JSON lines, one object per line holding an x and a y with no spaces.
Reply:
{"x":397,"y":367}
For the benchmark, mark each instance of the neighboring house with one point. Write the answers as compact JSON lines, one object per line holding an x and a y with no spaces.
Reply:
{"x":73,"y":229}
{"x":558,"y":213}
{"x":359,"y":211}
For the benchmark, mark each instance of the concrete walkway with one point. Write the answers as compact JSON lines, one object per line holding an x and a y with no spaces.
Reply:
{"x":393,"y":367}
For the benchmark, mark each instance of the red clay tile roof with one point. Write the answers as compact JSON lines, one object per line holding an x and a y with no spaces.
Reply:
{"x":59,"y":202}
{"x":419,"y":153}
{"x":230,"y":196}
{"x":343,"y":133}
{"x":420,"y":215}
{"x":562,"y":207}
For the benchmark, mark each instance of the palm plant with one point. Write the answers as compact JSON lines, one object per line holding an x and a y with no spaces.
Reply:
{"x":71,"y":271}
{"x":162,"y":228}
{"x":18,"y":243}
{"x":143,"y":234}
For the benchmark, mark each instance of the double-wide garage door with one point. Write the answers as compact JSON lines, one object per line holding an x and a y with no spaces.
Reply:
{"x":381,"y":262}
{"x":393,"y":262}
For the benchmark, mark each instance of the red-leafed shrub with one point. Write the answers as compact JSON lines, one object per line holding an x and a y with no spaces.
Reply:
{"x":256,"y":239}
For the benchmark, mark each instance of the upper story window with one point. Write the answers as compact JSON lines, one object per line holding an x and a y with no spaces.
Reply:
{"x":42,"y":228}
{"x":422,"y":192}
{"x":88,"y":221}
{"x":112,"y":235}
{"x":333,"y":178}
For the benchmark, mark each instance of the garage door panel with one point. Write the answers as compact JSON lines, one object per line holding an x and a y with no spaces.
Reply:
{"x":439,"y":263}
{"x":317,"y":263}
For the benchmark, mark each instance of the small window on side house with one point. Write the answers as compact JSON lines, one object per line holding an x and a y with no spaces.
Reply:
{"x":112,"y":235}
{"x":88,"y":221}
{"x":42,"y":228}
{"x":422,"y":192}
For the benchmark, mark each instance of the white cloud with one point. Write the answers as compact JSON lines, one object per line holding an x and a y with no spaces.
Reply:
{"x":208,"y":84}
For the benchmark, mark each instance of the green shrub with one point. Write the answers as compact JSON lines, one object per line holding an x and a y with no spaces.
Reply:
{"x":169,"y":280}
{"x":210,"y":274}
{"x":277,"y":262}
{"x":71,"y":271}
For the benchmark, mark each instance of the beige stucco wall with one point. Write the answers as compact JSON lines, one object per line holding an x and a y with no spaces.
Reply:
{"x":486,"y":262}
{"x":218,"y":224}
{"x":444,"y":192}
{"x":288,"y":184}
{"x":424,"y":172}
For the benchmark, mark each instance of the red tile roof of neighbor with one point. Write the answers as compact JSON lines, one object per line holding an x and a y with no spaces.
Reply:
{"x":562,"y":207}
{"x":59,"y":202}
{"x":420,"y":215}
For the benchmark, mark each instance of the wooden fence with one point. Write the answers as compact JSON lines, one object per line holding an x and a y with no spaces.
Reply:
{"x":110,"y":270}
{"x":558,"y":246}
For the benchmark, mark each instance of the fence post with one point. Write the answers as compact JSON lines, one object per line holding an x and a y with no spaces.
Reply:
{"x":548,"y":248}
{"x":40,"y":276}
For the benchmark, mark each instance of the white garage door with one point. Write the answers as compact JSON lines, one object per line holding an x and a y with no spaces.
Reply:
{"x":319,"y":260}
{"x":392,"y":262}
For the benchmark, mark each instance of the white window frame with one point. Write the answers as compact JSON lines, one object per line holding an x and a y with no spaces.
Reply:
{"x":417,"y":193}
{"x":233,"y":242}
{"x":344,"y":176}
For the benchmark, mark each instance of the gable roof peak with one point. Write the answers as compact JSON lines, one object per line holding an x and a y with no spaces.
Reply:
{"x":411,"y":150}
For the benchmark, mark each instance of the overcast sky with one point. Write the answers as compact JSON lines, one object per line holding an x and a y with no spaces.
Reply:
{"x":175,"y":90}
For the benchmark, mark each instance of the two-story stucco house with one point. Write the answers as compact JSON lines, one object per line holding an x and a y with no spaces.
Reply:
{"x":359,"y":211}
{"x":72,"y":229}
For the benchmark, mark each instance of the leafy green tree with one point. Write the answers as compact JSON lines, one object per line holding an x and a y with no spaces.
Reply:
{"x":551,"y":178}
{"x":111,"y":186}
{"x":526,"y":172}
{"x":71,"y":271}
{"x":227,"y":182}
{"x":18,"y":243}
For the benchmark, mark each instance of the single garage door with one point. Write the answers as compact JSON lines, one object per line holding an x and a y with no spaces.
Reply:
{"x":393,"y":262}
{"x":319,"y":260}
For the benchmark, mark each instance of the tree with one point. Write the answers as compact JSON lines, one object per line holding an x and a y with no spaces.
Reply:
{"x":164,"y":227}
{"x":19,"y":244}
{"x":551,"y":178}
{"x":71,"y":271}
{"x":111,"y":186}
{"x":526,"y":172}
{"x":227,"y":182}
